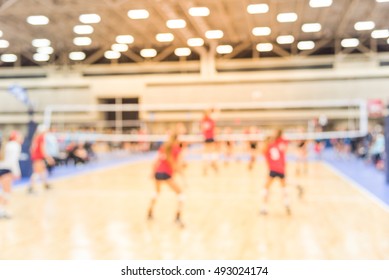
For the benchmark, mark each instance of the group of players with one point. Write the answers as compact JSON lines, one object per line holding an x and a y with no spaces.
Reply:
{"x":10,"y":153}
{"x":169,"y":162}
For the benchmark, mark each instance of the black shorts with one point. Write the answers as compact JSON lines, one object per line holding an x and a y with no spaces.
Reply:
{"x":4,"y":172}
{"x":376,"y":158}
{"x":301,"y":145}
{"x":162,"y":176}
{"x":210,"y":140}
{"x":253,"y":145}
{"x":275,"y":174}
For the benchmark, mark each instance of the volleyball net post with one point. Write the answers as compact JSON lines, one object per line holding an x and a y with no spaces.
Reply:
{"x":387,"y":148}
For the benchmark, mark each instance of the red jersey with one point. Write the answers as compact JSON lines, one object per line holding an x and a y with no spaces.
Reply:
{"x":275,"y":155}
{"x":37,"y":148}
{"x":208,"y":128}
{"x":163,"y":165}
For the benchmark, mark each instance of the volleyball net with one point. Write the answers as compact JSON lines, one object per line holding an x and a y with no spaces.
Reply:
{"x":300,"y":120}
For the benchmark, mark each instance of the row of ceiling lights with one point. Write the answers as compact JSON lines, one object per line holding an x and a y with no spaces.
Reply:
{"x":122,"y":41}
{"x":43,"y":53}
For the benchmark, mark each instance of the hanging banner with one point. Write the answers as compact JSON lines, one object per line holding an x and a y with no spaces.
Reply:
{"x":376,"y":108}
{"x":20,"y":93}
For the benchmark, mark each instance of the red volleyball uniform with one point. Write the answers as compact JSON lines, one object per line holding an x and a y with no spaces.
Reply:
{"x":208,"y":128}
{"x":37,"y":148}
{"x":275,"y":155}
{"x":163,"y":165}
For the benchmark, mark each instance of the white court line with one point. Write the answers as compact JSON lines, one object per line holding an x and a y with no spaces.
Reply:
{"x":357,"y":186}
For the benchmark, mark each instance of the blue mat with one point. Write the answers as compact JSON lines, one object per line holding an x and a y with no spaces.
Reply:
{"x":364,"y":174}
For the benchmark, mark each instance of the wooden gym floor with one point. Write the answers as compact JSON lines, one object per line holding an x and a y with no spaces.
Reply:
{"x":102,"y":215}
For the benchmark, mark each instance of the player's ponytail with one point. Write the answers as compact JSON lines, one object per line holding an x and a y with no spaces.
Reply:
{"x":266,"y":143}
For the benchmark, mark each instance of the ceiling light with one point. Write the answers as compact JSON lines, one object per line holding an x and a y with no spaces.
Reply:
{"x":82,"y":41}
{"x":41,"y":43}
{"x":38,"y":20}
{"x":350,"y":43}
{"x":224,"y":49}
{"x":138,"y":14}
{"x":382,"y":1}
{"x":83,"y":29}
{"x":257,"y":9}
{"x":77,"y":56}
{"x":261,"y":31}
{"x":4,"y":44}
{"x":306,"y":45}
{"x":311,"y":27}
{"x":164,"y":37}
{"x":90,"y":18}
{"x":285,"y":39}
{"x":264,"y":47}
{"x":119,"y":47}
{"x":176,"y":23}
{"x":364,"y":25}
{"x":287,"y":17}
{"x":112,"y":55}
{"x":214,"y":34}
{"x":8,"y":57}
{"x":199,"y":11}
{"x":148,"y":53}
{"x":320,"y":3}
{"x":1,"y":33}
{"x":182,"y":52}
{"x":380,"y":34}
{"x":45,"y":50}
{"x":41,"y":57}
{"x":125,"y":39}
{"x":195,"y":42}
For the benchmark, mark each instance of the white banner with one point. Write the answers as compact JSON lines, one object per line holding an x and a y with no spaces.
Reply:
{"x":149,"y":270}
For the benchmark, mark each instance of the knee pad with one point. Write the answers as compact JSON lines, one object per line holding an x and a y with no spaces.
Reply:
{"x":6,"y":196}
{"x":181,"y":197}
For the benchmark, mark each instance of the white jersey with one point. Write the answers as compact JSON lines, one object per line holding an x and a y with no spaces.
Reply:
{"x":11,"y":158}
{"x":378,"y":146}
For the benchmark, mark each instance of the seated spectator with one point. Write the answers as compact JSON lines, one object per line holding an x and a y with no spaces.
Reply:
{"x":377,"y":149}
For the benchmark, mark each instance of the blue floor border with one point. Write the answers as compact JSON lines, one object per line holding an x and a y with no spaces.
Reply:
{"x":365,"y":175}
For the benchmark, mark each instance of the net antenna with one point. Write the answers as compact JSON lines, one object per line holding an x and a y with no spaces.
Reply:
{"x":353,"y":114}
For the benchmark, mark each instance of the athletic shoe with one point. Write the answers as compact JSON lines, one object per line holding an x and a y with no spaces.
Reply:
{"x":178,"y":220}
{"x":150,"y":215}
{"x":288,"y":211}
{"x":48,"y":187}
{"x":300,"y":191}
{"x":30,"y":190}
{"x":5,"y":215}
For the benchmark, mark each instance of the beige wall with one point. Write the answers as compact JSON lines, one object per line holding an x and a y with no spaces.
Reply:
{"x":70,"y":87}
